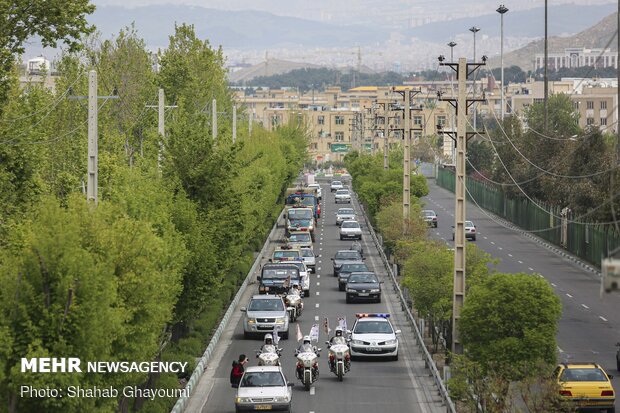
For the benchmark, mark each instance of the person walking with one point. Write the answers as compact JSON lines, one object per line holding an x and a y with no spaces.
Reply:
{"x":237,"y":370}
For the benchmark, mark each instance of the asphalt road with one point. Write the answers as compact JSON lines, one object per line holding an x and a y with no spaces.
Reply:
{"x":590,"y":324}
{"x":370,"y":386}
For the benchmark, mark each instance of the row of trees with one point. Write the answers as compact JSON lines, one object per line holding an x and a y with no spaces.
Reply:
{"x":147,"y":273}
{"x":509,"y":322}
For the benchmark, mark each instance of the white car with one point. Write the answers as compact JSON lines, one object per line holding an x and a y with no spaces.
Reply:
{"x":470,"y":231}
{"x":336,"y":185}
{"x":343,"y":195}
{"x":299,"y":239}
{"x":263,"y":388}
{"x":262,"y":314}
{"x":350,"y":230}
{"x":344,"y":214}
{"x":374,"y":336}
{"x":307,"y":254}
{"x":319,"y":192}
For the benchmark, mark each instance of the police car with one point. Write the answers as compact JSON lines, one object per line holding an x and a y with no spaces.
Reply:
{"x":374,"y":336}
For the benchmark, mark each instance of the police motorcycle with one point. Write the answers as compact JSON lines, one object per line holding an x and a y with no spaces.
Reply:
{"x":339,"y":356}
{"x":307,"y":370}
{"x":269,"y":354}
{"x":293,"y":302}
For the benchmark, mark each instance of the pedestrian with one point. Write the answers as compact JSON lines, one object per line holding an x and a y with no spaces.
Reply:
{"x":237,"y":370}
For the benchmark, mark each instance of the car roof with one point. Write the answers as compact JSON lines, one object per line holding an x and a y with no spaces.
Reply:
{"x":285,"y":249}
{"x":345,"y":209}
{"x":260,"y":369}
{"x":354,"y":262}
{"x":278,"y":265}
{"x":428,"y":210}
{"x":266,"y":297}
{"x":364,"y":273}
{"x":350,"y":220}
{"x":576,"y":365}
{"x":299,"y":232}
{"x":349,"y":250}
{"x":365,"y":319}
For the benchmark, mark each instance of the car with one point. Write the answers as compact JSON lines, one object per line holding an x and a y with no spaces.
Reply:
{"x":263,"y":314}
{"x":285,"y":253}
{"x":618,"y":357}
{"x":587,"y":385}
{"x":300,"y":218}
{"x":343,"y":256}
{"x":263,"y":388}
{"x":344,"y":214}
{"x":470,"y":231}
{"x":363,"y":286}
{"x":343,"y":196}
{"x":373,"y":336}
{"x":319,"y":192}
{"x":307,"y":254}
{"x":346,"y":270}
{"x":299,"y":239}
{"x":430,"y":217}
{"x":350,"y":230}
{"x":304,"y":275}
{"x":273,"y":277}
{"x":336,"y":185}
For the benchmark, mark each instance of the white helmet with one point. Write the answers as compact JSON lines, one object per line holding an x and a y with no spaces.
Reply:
{"x":307,"y":340}
{"x":338,"y":331}
{"x":268,"y":339}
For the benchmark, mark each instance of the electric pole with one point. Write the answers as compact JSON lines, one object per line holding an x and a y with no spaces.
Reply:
{"x":406,"y":164}
{"x":502,"y":10}
{"x":386,"y":134}
{"x":474,"y":30}
{"x":161,"y":127}
{"x":546,"y":97}
{"x":214,"y":121}
{"x":234,"y":125}
{"x":461,"y":104}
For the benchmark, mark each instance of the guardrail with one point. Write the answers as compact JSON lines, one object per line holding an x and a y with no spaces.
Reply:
{"x":428,"y":359}
{"x":181,"y":403}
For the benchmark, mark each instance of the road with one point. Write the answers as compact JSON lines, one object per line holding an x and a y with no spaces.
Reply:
{"x":590,"y":324}
{"x":371,"y":386}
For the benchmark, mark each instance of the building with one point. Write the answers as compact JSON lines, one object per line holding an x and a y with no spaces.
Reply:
{"x":577,"y":57}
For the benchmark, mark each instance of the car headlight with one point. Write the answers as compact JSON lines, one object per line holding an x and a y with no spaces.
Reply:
{"x":244,"y":400}
{"x":357,"y":342}
{"x":251,"y":321}
{"x":390,"y":342}
{"x":281,"y":399}
{"x":279,"y":320}
{"x":350,"y":290}
{"x":375,"y":290}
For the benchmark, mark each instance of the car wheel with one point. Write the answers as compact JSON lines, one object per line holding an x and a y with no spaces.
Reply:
{"x":307,"y":293}
{"x":435,"y":225}
{"x":473,"y":238}
{"x":246,"y":335}
{"x":348,"y":300}
{"x":341,"y":238}
{"x":452,"y":237}
{"x":340,"y":287}
{"x":285,"y":335}
{"x":395,"y":358}
{"x":379,"y":299}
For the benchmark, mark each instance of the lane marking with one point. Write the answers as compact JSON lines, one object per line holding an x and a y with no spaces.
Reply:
{"x":602,"y":318}
{"x":316,"y":318}
{"x":312,"y":391}
{"x":520,"y":262}
{"x":568,"y":295}
{"x":530,"y":268}
{"x":319,"y":269}
{"x":541,"y":276}
{"x":318,"y":276}
{"x":318,"y":293}
{"x":317,"y":305}
{"x":500,"y":248}
{"x":317,"y":284}
{"x":553,"y":284}
{"x":510,"y":255}
{"x":485,"y":237}
{"x":561,"y":351}
{"x":492,"y":242}
{"x":585,"y":306}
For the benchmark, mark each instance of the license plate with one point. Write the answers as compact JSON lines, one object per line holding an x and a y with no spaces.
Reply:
{"x":372,"y":349}
{"x":363,"y":294}
{"x":263,"y":407}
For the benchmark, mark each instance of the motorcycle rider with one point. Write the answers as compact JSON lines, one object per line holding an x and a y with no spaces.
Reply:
{"x":357,"y":246}
{"x":305,"y":347}
{"x":268,"y":346}
{"x":338,"y":337}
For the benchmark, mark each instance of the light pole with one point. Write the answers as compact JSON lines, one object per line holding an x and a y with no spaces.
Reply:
{"x":502,"y":10}
{"x":452,"y":44}
{"x":452,"y":120}
{"x":474,"y":30}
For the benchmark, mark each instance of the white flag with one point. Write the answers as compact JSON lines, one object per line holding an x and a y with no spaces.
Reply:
{"x":326,"y":327}
{"x":299,"y":334}
{"x":276,"y":337}
{"x":342,"y":323}
{"x":314,"y":332}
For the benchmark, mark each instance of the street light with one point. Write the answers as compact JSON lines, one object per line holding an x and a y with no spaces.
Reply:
{"x":474,"y":30}
{"x":502,"y":10}
{"x":452,"y":44}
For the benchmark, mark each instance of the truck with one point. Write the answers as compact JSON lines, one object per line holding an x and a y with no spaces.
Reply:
{"x":300,"y":218}
{"x":306,"y":196}
{"x":308,"y":179}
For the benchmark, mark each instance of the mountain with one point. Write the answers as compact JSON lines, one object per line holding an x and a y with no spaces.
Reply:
{"x":597,"y":36}
{"x":232,"y":29}
{"x":269,"y":68}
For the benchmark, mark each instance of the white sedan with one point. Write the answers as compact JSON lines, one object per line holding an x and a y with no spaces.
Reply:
{"x":350,"y":230}
{"x":374,"y":336}
{"x":343,"y":195}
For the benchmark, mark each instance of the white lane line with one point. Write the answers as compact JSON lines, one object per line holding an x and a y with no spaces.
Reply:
{"x":492,"y":242}
{"x":500,"y":248}
{"x":320,"y":249}
{"x":530,"y":268}
{"x":585,"y":306}
{"x":602,"y":318}
{"x":541,"y":276}
{"x":561,"y":351}
{"x":312,"y":391}
{"x":510,"y":255}
{"x":320,"y":243}
{"x":317,"y":305}
{"x":568,"y":295}
{"x":520,"y":262}
{"x":319,"y":269}
{"x":318,"y":276}
{"x":553,"y":284}
{"x":318,"y":293}
{"x":317,"y":284}
{"x":485,"y":237}
{"x":316,"y":318}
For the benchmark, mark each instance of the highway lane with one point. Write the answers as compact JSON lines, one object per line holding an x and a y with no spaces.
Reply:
{"x":590,"y":324}
{"x":370,"y":386}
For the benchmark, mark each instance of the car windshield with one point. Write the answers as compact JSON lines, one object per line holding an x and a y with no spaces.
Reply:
{"x":286,"y":254}
{"x":583,"y":374}
{"x":307,"y":252}
{"x":299,"y":265}
{"x":266,"y":305}
{"x":362,"y":278}
{"x":469,"y":224}
{"x":299,"y":213}
{"x":336,"y":183}
{"x":354,"y":268}
{"x":299,"y":222}
{"x":303,"y":237}
{"x":429,"y":213}
{"x":350,"y":224}
{"x":373,"y":327}
{"x":262,"y":379}
{"x":280,"y":273}
{"x":348,"y":255}
{"x":345,"y":211}
{"x":342,"y":192}
{"x":296,"y":199}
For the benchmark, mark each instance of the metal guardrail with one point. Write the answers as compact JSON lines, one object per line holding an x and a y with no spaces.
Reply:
{"x":429,"y":362}
{"x":181,"y":403}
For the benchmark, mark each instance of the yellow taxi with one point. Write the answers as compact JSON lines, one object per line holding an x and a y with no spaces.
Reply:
{"x":587,"y":385}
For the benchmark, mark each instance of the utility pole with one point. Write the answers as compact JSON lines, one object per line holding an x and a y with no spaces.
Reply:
{"x":502,"y":10}
{"x":161,"y":129}
{"x":234,"y":125}
{"x":618,"y":86}
{"x":546,"y":114}
{"x":406,"y":164}
{"x":214,"y":121}
{"x":474,"y":30}
{"x":386,"y":134}
{"x":461,"y":104}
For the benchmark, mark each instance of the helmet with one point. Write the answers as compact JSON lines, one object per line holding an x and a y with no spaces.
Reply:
{"x":268,"y":339}
{"x":307,"y":340}
{"x":338,"y":331}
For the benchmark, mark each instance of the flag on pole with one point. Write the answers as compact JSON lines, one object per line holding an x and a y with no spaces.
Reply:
{"x":314,"y":332}
{"x":276,"y":337}
{"x":326,"y":327}
{"x":299,"y":334}
{"x":342,"y":323}
{"x":287,"y":283}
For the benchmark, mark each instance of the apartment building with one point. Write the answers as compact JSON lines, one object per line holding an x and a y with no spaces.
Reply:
{"x":577,"y":57}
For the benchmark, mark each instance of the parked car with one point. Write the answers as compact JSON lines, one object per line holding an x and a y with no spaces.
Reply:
{"x":350,"y":230}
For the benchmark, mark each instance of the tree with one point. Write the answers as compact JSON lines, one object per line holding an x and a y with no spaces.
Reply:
{"x":509,"y":323}
{"x":51,"y":21}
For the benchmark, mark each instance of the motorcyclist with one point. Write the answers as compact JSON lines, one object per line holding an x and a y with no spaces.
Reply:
{"x":306,"y":346}
{"x":357,"y":246}
{"x":268,"y":346}
{"x":338,"y":337}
